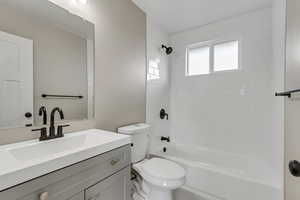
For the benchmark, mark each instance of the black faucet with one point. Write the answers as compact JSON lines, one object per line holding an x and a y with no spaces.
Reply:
{"x":43,"y":112}
{"x":52,"y":118}
{"x":44,"y":135}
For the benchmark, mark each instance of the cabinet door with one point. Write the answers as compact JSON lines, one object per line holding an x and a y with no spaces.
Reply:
{"x":115,"y":187}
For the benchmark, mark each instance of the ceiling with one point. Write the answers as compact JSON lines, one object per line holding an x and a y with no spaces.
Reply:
{"x":179,"y":15}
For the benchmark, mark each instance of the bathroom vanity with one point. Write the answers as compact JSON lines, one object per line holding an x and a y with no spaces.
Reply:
{"x":86,"y":165}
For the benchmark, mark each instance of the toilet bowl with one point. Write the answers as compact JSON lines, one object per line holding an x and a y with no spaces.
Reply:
{"x":157,"y":177}
{"x":160,"y":178}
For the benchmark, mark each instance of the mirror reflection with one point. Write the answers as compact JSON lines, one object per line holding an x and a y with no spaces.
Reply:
{"x":46,"y":61}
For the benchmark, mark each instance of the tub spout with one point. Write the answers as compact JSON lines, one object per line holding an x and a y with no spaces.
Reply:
{"x":167,"y":139}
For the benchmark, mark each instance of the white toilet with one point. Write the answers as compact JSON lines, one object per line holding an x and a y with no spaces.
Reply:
{"x":159,"y":176}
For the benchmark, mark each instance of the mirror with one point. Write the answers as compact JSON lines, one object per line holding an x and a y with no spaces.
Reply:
{"x":46,"y":59}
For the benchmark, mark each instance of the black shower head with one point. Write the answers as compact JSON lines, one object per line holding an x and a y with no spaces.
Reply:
{"x":169,"y":50}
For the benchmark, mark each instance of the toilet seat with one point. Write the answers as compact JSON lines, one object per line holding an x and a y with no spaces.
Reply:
{"x":163,"y":169}
{"x":161,"y":172}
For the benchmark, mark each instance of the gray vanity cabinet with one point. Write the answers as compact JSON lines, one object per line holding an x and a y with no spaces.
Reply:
{"x":103,"y":177}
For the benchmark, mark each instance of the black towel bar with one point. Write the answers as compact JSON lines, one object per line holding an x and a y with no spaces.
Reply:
{"x":287,"y":94}
{"x":60,"y":96}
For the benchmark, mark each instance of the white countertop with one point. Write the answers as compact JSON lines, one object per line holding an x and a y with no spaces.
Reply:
{"x":21,"y":162}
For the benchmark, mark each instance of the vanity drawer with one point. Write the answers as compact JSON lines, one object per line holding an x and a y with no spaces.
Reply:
{"x":115,"y":187}
{"x":65,"y":183}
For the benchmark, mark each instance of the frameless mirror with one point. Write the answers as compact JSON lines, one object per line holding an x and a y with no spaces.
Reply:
{"x":46,"y":60}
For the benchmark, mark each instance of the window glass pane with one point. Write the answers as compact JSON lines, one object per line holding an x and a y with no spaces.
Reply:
{"x":226,"y":56}
{"x":198,"y":61}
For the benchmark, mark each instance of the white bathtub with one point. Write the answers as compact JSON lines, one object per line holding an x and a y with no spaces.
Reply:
{"x":215,"y":175}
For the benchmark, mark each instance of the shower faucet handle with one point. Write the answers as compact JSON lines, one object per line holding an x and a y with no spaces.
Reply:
{"x":163,"y":114}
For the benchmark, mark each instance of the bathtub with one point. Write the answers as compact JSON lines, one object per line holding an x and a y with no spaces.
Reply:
{"x":215,"y":175}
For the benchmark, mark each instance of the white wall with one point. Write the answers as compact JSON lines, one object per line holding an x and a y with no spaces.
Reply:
{"x":157,"y":90}
{"x":230,"y":111}
{"x":279,"y":35}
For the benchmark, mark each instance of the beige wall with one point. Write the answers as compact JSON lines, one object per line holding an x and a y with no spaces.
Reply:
{"x":120,"y":62}
{"x":292,"y":105}
{"x":120,"y":86}
{"x":57,"y":54}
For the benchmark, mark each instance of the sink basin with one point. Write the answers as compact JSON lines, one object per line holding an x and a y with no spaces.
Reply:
{"x":44,"y":149}
{"x":27,"y":160}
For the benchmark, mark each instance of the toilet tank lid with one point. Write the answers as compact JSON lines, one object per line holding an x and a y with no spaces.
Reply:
{"x":134,"y":129}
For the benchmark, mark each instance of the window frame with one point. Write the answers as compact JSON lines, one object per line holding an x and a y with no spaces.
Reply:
{"x":211,"y":44}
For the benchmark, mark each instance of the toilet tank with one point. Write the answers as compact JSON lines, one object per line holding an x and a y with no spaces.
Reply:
{"x":140,"y":140}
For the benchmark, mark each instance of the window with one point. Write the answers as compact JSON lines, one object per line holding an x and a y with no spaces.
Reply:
{"x":153,"y":72}
{"x":212,"y":57}
{"x":198,"y":61}
{"x":226,"y":56}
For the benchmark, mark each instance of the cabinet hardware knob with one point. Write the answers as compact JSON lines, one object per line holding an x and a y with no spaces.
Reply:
{"x":114,"y":161}
{"x":44,"y":196}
